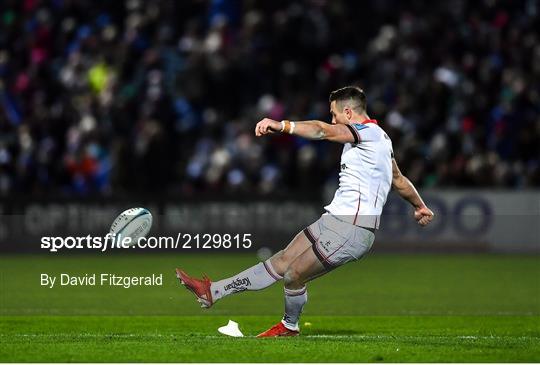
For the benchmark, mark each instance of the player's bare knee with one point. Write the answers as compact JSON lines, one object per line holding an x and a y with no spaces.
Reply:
{"x":281,"y":261}
{"x":292,"y":278}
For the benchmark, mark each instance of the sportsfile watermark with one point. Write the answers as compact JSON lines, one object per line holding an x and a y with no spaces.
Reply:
{"x":184,"y":241}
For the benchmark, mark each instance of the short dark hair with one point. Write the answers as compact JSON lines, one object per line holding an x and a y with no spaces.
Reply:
{"x":352,"y":94}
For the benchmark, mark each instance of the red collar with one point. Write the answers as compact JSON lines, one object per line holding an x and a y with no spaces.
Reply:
{"x":369,"y":121}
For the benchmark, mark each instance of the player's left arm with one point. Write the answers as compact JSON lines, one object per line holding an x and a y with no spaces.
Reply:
{"x":314,"y":129}
{"x":405,"y":188}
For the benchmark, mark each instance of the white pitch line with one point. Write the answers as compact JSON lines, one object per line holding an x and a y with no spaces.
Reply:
{"x":321,"y":336}
{"x":398,"y":337}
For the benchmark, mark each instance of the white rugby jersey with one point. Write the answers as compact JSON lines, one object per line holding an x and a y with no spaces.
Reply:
{"x":365,"y":178}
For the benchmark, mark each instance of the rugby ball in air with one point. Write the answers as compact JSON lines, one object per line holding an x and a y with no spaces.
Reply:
{"x":133,"y":223}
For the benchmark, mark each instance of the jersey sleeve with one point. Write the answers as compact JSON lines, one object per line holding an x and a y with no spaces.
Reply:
{"x":363,"y":133}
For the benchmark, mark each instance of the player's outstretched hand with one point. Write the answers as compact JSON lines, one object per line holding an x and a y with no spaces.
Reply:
{"x":267,"y":126}
{"x":423,"y":215}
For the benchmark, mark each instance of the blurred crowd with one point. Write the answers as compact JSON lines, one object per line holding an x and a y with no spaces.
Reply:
{"x":132,"y":96}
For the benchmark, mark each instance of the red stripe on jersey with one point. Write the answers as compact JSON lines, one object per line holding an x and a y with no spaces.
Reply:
{"x":370,"y":121}
{"x":375,"y":205}
{"x":358,"y":207}
{"x":377,"y":196}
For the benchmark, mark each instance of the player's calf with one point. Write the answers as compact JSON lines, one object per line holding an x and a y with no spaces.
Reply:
{"x":295,"y":300}
{"x":256,"y":277}
{"x":304,"y":268}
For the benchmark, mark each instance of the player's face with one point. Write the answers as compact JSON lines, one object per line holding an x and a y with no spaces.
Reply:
{"x":340,"y":116}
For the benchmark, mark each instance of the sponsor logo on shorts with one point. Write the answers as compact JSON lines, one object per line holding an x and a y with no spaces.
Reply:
{"x":325,"y":245}
{"x":238,"y":284}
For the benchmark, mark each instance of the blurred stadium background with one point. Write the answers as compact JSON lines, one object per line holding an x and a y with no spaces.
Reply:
{"x":107,"y":104}
{"x":110,"y":104}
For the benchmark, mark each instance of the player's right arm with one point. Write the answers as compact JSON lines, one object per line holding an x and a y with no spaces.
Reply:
{"x":313,"y":129}
{"x":405,"y":188}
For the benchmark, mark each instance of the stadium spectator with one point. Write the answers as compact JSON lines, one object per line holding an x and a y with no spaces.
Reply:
{"x":93,"y":93}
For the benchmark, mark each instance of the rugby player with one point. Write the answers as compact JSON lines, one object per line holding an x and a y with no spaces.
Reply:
{"x":346,"y":231}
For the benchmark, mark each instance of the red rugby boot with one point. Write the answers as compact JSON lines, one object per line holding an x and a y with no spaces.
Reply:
{"x":201,"y":288}
{"x":277,"y":331}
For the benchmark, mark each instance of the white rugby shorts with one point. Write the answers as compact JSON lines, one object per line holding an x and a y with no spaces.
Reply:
{"x":336,"y":242}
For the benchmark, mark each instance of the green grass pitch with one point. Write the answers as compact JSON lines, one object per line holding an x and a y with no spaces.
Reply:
{"x":384,"y":308}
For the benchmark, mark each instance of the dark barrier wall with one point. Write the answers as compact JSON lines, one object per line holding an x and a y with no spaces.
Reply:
{"x":465,"y":220}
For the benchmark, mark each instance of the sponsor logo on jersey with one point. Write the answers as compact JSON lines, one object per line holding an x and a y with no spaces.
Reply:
{"x":238,"y":284}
